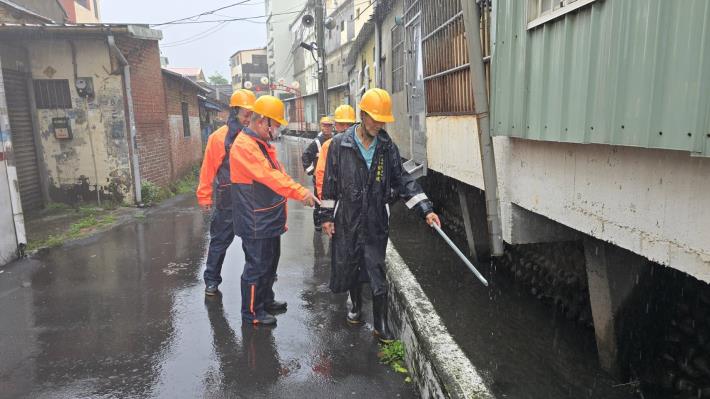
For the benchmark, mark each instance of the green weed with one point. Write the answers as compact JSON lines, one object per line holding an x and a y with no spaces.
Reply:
{"x":393,"y":355}
{"x":82,"y":228}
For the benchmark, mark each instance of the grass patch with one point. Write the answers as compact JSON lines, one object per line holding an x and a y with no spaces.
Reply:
{"x":393,"y":355}
{"x":79,"y":229}
{"x":152,"y":194}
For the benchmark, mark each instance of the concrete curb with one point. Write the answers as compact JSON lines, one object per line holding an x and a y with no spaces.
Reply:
{"x":437,"y":365}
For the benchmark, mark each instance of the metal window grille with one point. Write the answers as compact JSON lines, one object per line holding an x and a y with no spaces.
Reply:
{"x":185,"y":120}
{"x":52,"y":94}
{"x":397,"y":58}
{"x":446,"y":65}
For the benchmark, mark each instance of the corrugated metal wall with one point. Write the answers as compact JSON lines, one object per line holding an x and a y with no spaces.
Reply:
{"x":622,"y":72}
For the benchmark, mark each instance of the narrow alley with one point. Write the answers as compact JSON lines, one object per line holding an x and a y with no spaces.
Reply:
{"x":123,"y":314}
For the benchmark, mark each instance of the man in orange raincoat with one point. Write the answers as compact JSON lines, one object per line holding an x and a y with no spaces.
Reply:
{"x":215,"y":172}
{"x":344,"y":117}
{"x":260,"y":189}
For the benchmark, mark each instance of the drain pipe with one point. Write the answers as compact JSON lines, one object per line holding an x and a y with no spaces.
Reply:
{"x":472,"y":18}
{"x":131,"y":118}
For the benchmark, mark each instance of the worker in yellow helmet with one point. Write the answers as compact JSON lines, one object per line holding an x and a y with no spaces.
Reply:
{"x":311,"y":154}
{"x":215,"y":169}
{"x":344,"y":117}
{"x":363,"y":175}
{"x":260,"y":190}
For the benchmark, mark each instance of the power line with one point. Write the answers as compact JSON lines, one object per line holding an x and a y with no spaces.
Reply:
{"x":248,"y":19}
{"x":204,"y":13}
{"x":196,"y":37}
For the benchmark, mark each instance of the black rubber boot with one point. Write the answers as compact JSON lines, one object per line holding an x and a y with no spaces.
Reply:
{"x":276,"y":307}
{"x":379,"y":314}
{"x":355,"y":313}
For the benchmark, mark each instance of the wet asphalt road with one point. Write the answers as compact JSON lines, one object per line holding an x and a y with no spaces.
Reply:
{"x":123,"y":315}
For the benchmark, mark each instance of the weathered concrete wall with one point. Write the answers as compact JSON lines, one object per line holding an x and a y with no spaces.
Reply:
{"x":98,"y":154}
{"x":11,"y":217}
{"x":651,"y":202}
{"x":438,"y":366}
{"x":452,"y":148}
{"x":186,"y":151}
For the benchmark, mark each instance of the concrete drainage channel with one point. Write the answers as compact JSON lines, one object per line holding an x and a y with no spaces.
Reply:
{"x":437,"y":365}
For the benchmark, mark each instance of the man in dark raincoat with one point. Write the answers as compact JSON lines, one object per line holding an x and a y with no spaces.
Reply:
{"x":363,"y":174}
{"x":310,"y":158}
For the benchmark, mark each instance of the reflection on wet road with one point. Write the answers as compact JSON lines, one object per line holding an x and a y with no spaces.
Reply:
{"x":123,"y":314}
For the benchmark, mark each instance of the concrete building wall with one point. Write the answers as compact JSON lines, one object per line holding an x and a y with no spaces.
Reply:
{"x":97,"y":154}
{"x":650,"y":202}
{"x":452,"y":148}
{"x":88,"y":14}
{"x":279,"y":39}
{"x":399,"y":129}
{"x":51,"y":9}
{"x":240,"y":76}
{"x":150,"y":110}
{"x":8,"y":188}
{"x":186,"y":151}
{"x":11,"y":15}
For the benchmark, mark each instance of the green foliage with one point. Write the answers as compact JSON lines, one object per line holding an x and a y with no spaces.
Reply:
{"x":217,"y":79}
{"x":81,"y":228}
{"x":152,"y":194}
{"x":392,"y":354}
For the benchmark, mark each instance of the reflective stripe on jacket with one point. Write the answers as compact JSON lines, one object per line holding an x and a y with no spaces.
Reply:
{"x":356,"y":198}
{"x":310,"y":156}
{"x":320,"y":168}
{"x":260,"y":188}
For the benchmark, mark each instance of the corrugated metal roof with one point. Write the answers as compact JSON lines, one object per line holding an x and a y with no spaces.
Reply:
{"x":621,"y":72}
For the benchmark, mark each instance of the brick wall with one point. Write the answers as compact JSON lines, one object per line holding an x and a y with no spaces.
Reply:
{"x":187,"y":151}
{"x":150,"y":110}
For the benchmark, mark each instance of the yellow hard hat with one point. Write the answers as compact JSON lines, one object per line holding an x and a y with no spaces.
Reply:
{"x":378,"y":104}
{"x":242,"y":98}
{"x":270,"y":107}
{"x":326,"y":121}
{"x":344,"y":114}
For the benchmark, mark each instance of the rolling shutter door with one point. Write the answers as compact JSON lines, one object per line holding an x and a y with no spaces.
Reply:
{"x":23,"y":142}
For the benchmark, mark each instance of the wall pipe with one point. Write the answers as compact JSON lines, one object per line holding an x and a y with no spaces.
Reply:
{"x":472,"y":18}
{"x":131,"y":118}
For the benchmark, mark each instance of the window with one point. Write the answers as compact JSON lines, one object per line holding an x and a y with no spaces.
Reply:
{"x":52,"y":94}
{"x":258,"y":59}
{"x":342,"y":25}
{"x":542,"y":11}
{"x":397,"y":58}
{"x":185,"y":120}
{"x":83,"y":3}
{"x":446,"y":65}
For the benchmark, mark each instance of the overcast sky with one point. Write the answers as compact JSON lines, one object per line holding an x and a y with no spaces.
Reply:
{"x":211,"y":52}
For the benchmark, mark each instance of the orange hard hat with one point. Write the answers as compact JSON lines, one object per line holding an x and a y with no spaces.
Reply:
{"x":326,"y":121}
{"x":242,"y":98}
{"x":270,"y":107}
{"x":344,"y":114}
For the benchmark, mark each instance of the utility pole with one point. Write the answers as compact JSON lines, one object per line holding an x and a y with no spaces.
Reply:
{"x":322,"y":71}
